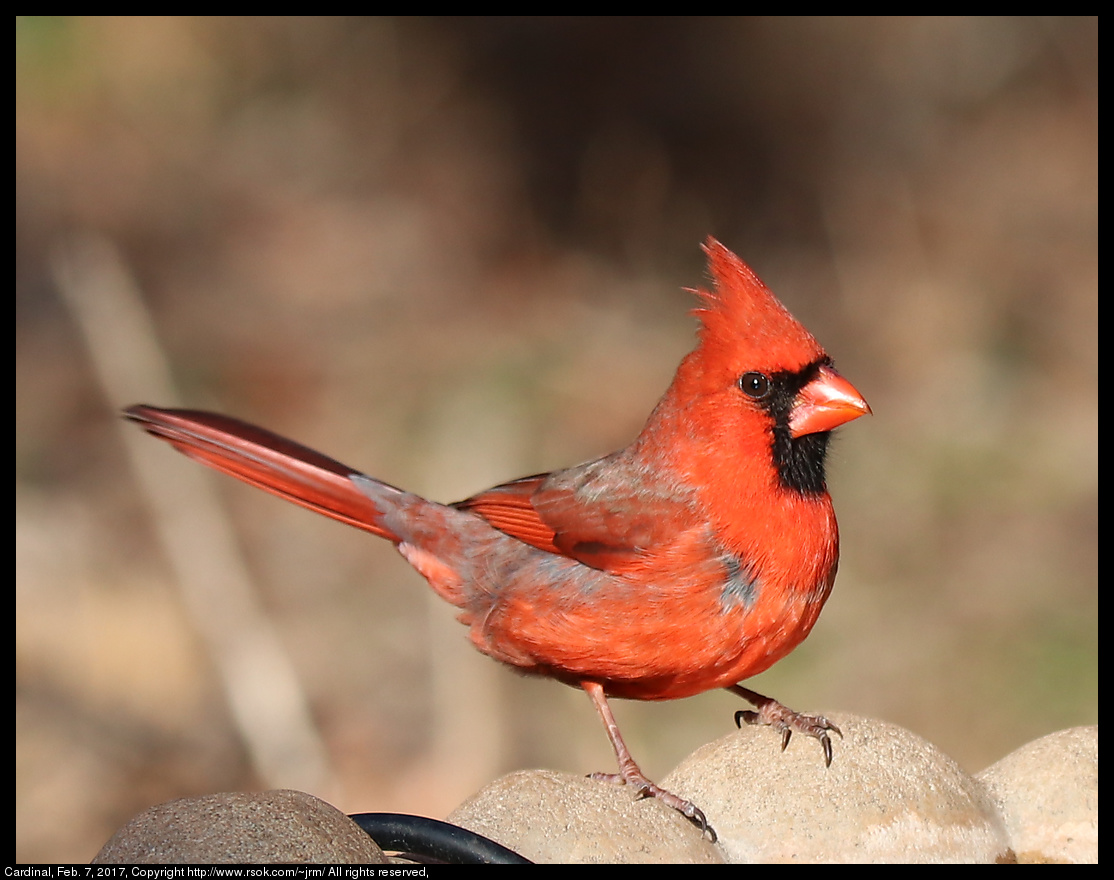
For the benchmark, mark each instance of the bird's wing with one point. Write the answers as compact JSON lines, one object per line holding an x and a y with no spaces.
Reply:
{"x":597,"y":513}
{"x":509,"y":507}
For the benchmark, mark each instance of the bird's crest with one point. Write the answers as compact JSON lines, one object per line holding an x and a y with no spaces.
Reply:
{"x":743,"y":325}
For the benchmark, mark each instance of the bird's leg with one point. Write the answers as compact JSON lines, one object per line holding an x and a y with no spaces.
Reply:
{"x":774,"y":714}
{"x":629,"y":772}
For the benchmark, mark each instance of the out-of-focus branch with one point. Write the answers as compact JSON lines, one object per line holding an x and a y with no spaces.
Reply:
{"x":268,"y":704}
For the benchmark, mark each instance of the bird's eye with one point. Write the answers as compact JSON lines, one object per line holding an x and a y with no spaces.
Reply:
{"x":756,"y":385}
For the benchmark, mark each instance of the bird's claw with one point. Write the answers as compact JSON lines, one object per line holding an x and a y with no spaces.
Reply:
{"x":645,"y":788}
{"x":773,"y":714}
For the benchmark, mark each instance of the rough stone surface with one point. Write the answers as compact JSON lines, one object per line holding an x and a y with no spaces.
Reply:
{"x":241,"y":828}
{"x":888,"y":796}
{"x":553,"y":817}
{"x":1047,"y":792}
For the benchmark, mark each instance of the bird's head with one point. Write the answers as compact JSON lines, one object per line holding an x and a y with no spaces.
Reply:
{"x":757,"y":380}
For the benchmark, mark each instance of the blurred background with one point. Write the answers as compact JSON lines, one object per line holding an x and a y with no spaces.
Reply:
{"x":450,"y":252}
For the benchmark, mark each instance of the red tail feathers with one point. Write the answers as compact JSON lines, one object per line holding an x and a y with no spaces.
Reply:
{"x":266,"y":460}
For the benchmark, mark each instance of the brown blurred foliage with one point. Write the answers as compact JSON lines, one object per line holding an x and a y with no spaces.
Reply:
{"x":449,"y":252}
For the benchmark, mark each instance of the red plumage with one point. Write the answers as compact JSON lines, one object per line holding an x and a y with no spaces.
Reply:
{"x":692,"y":559}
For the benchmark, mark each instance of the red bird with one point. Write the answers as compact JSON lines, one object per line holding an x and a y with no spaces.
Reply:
{"x":694,"y":558}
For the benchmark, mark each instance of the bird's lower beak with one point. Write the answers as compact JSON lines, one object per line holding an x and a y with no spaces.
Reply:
{"x":826,"y":402}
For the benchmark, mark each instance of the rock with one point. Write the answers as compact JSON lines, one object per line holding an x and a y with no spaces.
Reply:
{"x":561,"y":818}
{"x":889,"y":796}
{"x":1047,"y":792}
{"x":241,"y":828}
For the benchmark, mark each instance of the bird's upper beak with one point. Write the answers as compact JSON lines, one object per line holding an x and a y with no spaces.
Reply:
{"x":826,"y":402}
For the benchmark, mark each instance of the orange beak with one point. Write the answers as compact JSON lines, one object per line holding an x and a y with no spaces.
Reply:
{"x":826,"y":402}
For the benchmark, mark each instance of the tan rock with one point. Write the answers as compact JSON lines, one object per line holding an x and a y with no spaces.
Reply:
{"x":1048,"y":794}
{"x":561,"y":818}
{"x":889,"y":796}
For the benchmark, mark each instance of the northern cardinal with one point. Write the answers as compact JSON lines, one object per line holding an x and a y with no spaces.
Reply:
{"x":692,"y":559}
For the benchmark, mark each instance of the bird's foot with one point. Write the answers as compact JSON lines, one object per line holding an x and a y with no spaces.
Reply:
{"x":780,"y":717}
{"x":646,"y":788}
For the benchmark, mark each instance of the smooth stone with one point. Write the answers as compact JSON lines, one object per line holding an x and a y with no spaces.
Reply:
{"x":279,"y":826}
